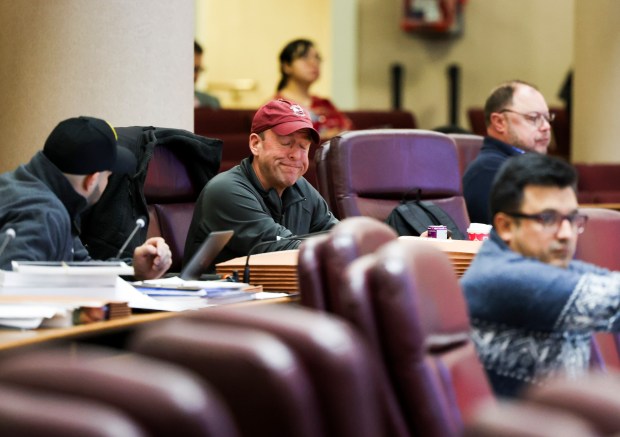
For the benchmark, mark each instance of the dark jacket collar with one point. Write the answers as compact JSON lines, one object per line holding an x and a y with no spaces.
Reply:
{"x":506,"y":148}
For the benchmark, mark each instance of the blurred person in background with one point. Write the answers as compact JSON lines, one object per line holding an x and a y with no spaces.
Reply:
{"x":202,"y":99}
{"x":300,"y":66}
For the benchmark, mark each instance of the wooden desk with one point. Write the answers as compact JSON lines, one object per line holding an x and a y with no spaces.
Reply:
{"x":12,"y":339}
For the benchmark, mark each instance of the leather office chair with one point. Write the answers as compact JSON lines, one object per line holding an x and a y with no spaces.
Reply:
{"x":476,"y":121}
{"x":593,"y":398}
{"x":282,"y":371}
{"x":321,"y":263}
{"x":467,"y":148}
{"x":372,"y":171}
{"x":322,"y":175}
{"x":407,"y":301}
{"x":322,"y":260}
{"x":599,"y":245}
{"x":171,"y":196}
{"x":525,"y":419}
{"x":27,"y":413}
{"x":162,"y":399}
{"x":373,"y":119}
{"x":587,"y":406}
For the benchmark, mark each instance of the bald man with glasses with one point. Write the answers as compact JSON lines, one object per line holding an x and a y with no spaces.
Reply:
{"x":533,"y":308}
{"x":518,"y":121}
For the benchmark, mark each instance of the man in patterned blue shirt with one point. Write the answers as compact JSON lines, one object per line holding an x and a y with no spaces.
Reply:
{"x":533,"y":308}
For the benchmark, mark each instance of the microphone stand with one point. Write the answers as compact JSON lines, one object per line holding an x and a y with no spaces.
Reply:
{"x":139,"y":225}
{"x":10,"y":234}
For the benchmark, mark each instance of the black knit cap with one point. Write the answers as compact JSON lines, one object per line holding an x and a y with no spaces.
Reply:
{"x":86,"y":145}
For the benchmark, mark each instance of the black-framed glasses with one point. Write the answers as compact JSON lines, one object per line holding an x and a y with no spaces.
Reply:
{"x":535,"y":118}
{"x":551,"y":220}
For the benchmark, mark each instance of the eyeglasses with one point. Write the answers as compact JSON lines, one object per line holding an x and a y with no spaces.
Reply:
{"x":551,"y":220}
{"x":534,"y":118}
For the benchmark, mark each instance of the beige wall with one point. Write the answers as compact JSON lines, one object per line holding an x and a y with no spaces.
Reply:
{"x":596,"y":85}
{"x":503,"y":39}
{"x":126,"y":61}
{"x":243,"y":39}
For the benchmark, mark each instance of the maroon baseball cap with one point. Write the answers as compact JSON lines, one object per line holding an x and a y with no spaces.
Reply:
{"x":284,"y":118}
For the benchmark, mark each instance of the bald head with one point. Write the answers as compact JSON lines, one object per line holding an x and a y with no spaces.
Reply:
{"x":517,"y":113}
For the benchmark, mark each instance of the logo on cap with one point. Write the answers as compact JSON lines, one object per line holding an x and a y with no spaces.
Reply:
{"x":298,"y":110}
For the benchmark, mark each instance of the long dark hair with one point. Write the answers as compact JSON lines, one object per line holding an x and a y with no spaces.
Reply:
{"x":294,"y":50}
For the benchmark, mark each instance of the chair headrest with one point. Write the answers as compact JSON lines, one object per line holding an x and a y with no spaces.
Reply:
{"x":395,"y":161}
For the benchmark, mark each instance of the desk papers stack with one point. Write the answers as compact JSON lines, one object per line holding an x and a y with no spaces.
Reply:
{"x":275,"y":271}
{"x":64,"y":275}
{"x":197,"y":294}
{"x":31,"y":312}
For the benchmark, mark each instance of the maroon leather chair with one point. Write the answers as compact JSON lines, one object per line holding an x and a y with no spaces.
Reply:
{"x":160,"y":398}
{"x":373,"y":119}
{"x":322,"y":175}
{"x":467,"y":148}
{"x":28,"y":413}
{"x":321,"y":263}
{"x":599,"y":245}
{"x":260,"y":380}
{"x":372,"y":171}
{"x":476,"y":121}
{"x":322,"y":260}
{"x":526,"y":419}
{"x":587,"y":406}
{"x":171,"y":196}
{"x":283,"y":371}
{"x":232,"y":126}
{"x":598,"y":183}
{"x":406,"y":300}
{"x":593,"y":398}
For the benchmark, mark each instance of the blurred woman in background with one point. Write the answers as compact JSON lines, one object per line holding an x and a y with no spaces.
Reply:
{"x":300,"y":66}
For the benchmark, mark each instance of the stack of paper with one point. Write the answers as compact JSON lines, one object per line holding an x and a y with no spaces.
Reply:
{"x":275,"y":271}
{"x":29,"y":312}
{"x":63,"y":274}
{"x":196,"y":294}
{"x":460,"y":252}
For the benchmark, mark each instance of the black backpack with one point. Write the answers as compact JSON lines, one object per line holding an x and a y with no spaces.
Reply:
{"x":413,"y":217}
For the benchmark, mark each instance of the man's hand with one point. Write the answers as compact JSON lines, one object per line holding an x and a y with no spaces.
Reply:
{"x":152,"y":259}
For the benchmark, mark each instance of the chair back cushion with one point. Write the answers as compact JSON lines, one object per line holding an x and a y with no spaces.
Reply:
{"x":467,"y":147}
{"x":333,"y":355}
{"x":435,"y":373}
{"x":162,"y":399}
{"x":372,"y":171}
{"x":258,"y":377}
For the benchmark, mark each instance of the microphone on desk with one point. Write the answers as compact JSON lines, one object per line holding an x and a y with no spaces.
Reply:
{"x":9,"y":235}
{"x":246,"y":269}
{"x":139,"y":225}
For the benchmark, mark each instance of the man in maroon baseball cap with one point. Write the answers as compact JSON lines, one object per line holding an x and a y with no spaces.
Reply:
{"x":265,"y":199}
